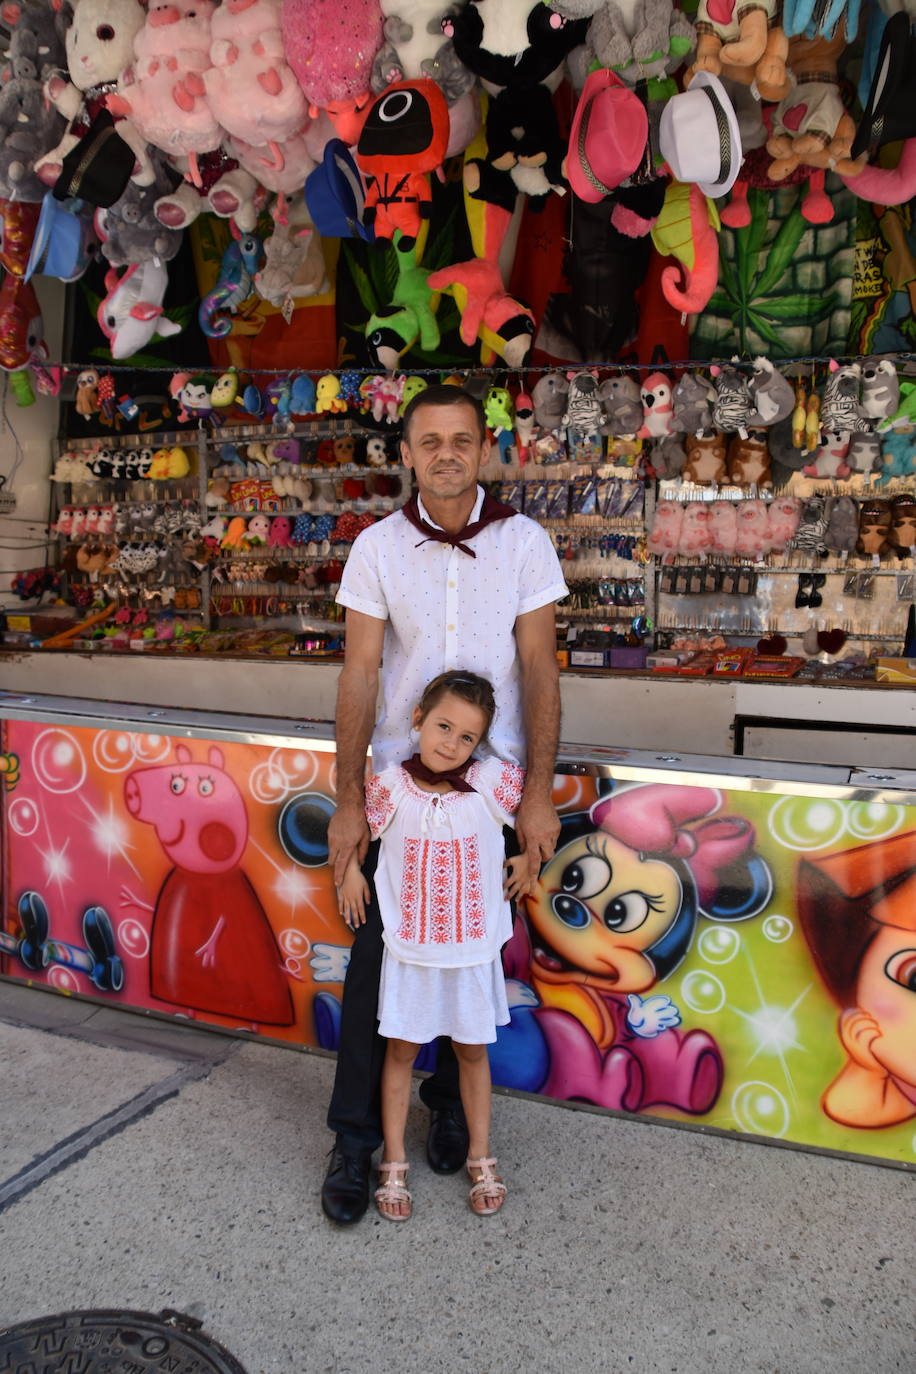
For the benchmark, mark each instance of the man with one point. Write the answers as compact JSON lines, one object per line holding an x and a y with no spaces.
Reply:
{"x":452,"y":580}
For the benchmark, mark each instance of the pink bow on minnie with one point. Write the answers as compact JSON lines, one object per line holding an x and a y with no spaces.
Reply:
{"x":653,"y":820}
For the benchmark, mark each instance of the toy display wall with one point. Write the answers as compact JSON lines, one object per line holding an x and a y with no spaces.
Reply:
{"x":766,"y":979}
{"x":268,"y":256}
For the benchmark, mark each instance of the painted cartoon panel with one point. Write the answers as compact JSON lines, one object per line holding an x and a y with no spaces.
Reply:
{"x":742,"y":960}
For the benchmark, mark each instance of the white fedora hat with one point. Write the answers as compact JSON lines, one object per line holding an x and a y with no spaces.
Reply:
{"x":699,"y":136}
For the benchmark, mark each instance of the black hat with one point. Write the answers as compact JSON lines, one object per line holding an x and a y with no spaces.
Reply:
{"x":890,"y":112}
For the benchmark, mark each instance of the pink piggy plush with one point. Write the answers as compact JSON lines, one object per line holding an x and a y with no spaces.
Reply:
{"x":281,"y":529}
{"x":163,"y":92}
{"x":212,"y":948}
{"x":252,"y":90}
{"x":782,"y":521}
{"x":753,"y":529}
{"x":723,"y":526}
{"x":696,"y":534}
{"x":666,"y":527}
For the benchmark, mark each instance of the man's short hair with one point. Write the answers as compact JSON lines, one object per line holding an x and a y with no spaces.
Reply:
{"x":444,"y":396}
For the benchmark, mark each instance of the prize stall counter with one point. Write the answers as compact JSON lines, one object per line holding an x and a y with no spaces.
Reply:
{"x":830,"y":722}
{"x":718,"y":942}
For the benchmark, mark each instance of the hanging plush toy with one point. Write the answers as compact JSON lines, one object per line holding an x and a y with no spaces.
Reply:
{"x":840,"y":410}
{"x":549,"y":397}
{"x":693,"y":400}
{"x":330,"y":46}
{"x":810,"y":126}
{"x":393,"y":329}
{"x":403,"y":139}
{"x":772,"y":396}
{"x":705,"y":459}
{"x":294,"y":266}
{"x":880,"y":388}
{"x":658,"y":410}
{"x":99,"y":47}
{"x":328,"y":398}
{"x":234,"y":285}
{"x":749,"y":460}
{"x":622,"y":403}
{"x":21,"y":334}
{"x":131,"y":313}
{"x":734,"y":407}
{"x":162,"y":90}
{"x":686,"y":229}
{"x":584,"y":411}
{"x":830,"y":457}
{"x":129,"y":231}
{"x":251,"y":89}
{"x":29,"y":125}
{"x":413,"y":45}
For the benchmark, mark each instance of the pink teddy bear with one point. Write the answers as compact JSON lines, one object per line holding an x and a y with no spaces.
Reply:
{"x":753,"y":538}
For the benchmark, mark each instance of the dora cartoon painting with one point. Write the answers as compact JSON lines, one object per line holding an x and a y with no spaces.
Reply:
{"x":858,"y":912}
{"x":613,"y":915}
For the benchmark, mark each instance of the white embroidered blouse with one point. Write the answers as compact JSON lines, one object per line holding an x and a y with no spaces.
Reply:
{"x":439,"y":878}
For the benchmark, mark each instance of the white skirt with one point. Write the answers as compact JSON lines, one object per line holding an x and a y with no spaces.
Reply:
{"x":418,"y":1002}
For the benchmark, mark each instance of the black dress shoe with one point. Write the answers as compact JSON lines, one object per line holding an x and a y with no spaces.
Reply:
{"x":345,"y":1191}
{"x":447,"y":1142}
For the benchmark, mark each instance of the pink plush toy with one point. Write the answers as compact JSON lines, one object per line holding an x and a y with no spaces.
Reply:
{"x":220,"y":185}
{"x":259,"y":527}
{"x":658,"y":407}
{"x":331,"y":45}
{"x":666,"y":528}
{"x":281,"y":529}
{"x":163,"y":91}
{"x":383,"y":393}
{"x":782,"y":521}
{"x":252,"y":91}
{"x":696,"y":531}
{"x":753,"y":537}
{"x":285,"y":177}
{"x":723,"y":527}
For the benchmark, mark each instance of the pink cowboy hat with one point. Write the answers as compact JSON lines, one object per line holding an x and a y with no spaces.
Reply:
{"x":608,"y":136}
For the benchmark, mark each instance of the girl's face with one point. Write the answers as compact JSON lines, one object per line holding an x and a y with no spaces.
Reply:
{"x":450,"y":732}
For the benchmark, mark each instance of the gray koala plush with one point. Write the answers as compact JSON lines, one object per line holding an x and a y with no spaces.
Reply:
{"x":865,"y":452}
{"x":880,"y":388}
{"x":772,"y":395}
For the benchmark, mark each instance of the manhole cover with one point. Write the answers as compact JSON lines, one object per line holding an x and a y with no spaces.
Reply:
{"x":112,"y":1342}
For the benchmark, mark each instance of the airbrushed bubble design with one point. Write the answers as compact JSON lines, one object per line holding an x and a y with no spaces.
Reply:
{"x":807,"y":823}
{"x":777,"y":929}
{"x":23,"y":816}
{"x":703,"y":992}
{"x":759,"y":1109}
{"x":58,"y":762}
{"x":719,"y":944}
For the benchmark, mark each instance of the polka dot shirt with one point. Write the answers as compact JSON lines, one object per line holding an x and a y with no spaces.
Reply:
{"x":445,"y":610}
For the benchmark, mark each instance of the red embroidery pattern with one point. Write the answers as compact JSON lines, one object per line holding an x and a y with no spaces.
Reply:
{"x":440,"y":881}
{"x":459,"y":890}
{"x":379,"y":806}
{"x":508,"y":791}
{"x":409,"y":890}
{"x":473,"y":907}
{"x":424,"y":860}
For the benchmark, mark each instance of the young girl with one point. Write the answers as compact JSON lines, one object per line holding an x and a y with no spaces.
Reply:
{"x":443,"y":901}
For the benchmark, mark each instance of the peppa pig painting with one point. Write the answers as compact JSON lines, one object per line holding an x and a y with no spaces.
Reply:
{"x":212,"y":946}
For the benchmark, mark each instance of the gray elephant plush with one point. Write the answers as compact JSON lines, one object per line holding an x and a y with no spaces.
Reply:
{"x":129,"y":230}
{"x":29,"y":127}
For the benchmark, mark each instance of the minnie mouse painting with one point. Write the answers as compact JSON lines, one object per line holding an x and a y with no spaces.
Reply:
{"x":613,"y":915}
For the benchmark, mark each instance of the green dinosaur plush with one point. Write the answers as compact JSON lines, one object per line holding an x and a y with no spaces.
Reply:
{"x":395,"y":328}
{"x":906,"y":411}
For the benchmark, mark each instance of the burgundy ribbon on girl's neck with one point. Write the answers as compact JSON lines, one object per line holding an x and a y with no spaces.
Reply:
{"x":490,"y":510}
{"x":455,"y":776}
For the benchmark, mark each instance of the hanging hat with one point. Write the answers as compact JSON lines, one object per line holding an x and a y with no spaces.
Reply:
{"x":608,"y":136}
{"x":335,"y":195}
{"x":890,"y":112}
{"x":65,"y":242}
{"x":699,"y":136}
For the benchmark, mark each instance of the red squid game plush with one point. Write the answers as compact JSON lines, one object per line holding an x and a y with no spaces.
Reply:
{"x":403,"y":139}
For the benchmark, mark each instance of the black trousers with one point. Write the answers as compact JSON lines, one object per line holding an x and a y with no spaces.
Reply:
{"x":355,"y":1112}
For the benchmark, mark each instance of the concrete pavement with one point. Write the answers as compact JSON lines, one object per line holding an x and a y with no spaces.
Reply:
{"x":149,"y":1165}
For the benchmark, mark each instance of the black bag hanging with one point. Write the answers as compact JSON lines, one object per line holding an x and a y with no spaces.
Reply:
{"x":98,"y":169}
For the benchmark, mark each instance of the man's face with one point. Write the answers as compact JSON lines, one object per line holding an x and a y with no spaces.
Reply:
{"x":444,"y":449}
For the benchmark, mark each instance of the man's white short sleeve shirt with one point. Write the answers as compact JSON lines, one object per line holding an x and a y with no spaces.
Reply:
{"x":445,"y":610}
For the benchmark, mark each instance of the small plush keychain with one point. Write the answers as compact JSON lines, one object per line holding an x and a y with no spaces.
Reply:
{"x":880,"y":388}
{"x":706,"y":459}
{"x":693,"y":402}
{"x":875,"y":523}
{"x":772,"y":396}
{"x":734,"y":407}
{"x":327,"y":395}
{"x":584,"y":412}
{"x":658,"y":407}
{"x":840,"y":410}
{"x":622,"y":403}
{"x":749,"y":460}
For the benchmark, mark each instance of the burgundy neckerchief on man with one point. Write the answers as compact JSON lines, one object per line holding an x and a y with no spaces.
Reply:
{"x":490,"y":511}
